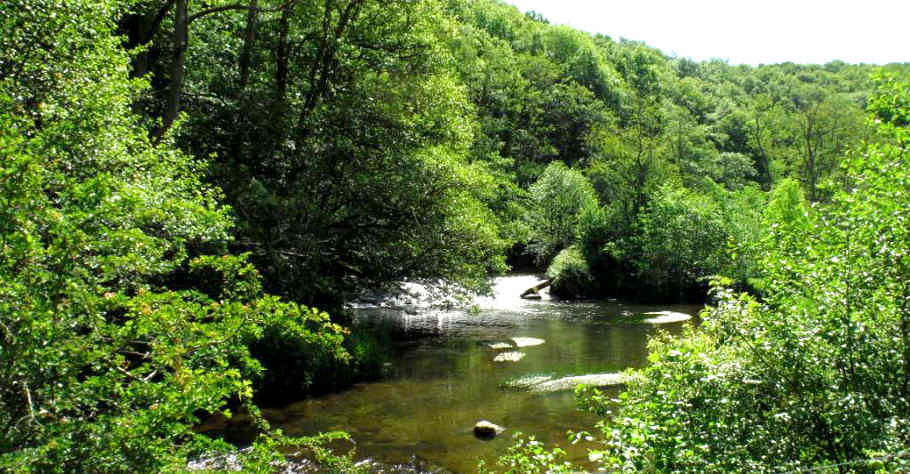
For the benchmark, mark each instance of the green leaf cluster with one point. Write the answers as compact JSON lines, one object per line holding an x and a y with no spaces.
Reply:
{"x":124,"y":322}
{"x":815,"y":374}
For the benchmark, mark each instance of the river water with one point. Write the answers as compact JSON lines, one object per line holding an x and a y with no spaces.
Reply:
{"x":444,"y":377}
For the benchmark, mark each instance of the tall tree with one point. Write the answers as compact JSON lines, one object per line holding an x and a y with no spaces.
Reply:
{"x":352,"y":170}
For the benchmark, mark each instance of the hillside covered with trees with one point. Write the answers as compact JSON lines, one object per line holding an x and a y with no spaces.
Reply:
{"x":182,"y":183}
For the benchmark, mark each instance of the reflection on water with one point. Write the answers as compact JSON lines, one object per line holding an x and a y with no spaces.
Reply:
{"x":444,"y":381}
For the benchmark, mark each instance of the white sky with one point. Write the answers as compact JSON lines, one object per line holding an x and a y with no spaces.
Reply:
{"x":747,"y":32}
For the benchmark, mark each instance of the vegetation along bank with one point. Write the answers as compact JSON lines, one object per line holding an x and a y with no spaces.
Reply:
{"x":183,"y":183}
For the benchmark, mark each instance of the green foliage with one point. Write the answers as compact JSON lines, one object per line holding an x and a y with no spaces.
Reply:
{"x":344,"y":153}
{"x":369,"y":125}
{"x":682,"y":240}
{"x":583,"y":61}
{"x":787,"y":209}
{"x":571,"y":276}
{"x":596,"y":226}
{"x":104,"y":367}
{"x":301,"y":349}
{"x":891,"y":105}
{"x":530,"y":456}
{"x":123,"y":323}
{"x":557,"y":199}
{"x":363,"y":141}
{"x":814,"y":376}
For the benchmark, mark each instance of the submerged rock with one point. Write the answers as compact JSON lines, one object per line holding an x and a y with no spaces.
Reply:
{"x":526,"y":383}
{"x":666,"y":317}
{"x":500,"y":345}
{"x":486,"y":430}
{"x":527,"y":341}
{"x":569,"y":383}
{"x":546,"y":383}
{"x":509,"y":357}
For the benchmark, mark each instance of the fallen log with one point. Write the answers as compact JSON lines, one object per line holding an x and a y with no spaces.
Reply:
{"x":533,"y":293}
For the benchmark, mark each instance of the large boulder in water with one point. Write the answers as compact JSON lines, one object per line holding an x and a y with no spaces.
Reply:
{"x":569,"y":383}
{"x":486,"y":430}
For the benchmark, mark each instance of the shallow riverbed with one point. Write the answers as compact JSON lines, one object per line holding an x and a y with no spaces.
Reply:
{"x":445,"y":376}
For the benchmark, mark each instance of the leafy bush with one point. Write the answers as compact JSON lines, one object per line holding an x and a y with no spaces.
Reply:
{"x":571,"y":276}
{"x":681,"y":240}
{"x":529,"y":456}
{"x":596,"y":227}
{"x":814,"y":376}
{"x":104,"y":367}
{"x":558,"y":197}
{"x":301,"y":349}
{"x":123,"y":322}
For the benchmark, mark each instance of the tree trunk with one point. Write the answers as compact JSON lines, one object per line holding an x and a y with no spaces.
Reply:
{"x":175,"y":90}
{"x":252,"y":22}
{"x":281,"y":61}
{"x":326,"y":63}
{"x":139,"y":29}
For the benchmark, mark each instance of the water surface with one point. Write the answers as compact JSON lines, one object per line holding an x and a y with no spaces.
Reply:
{"x":443,"y":378}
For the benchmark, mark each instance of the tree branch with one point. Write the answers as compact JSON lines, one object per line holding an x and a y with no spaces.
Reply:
{"x":31,"y":406}
{"x":222,"y":8}
{"x":156,"y":22}
{"x":237,"y":6}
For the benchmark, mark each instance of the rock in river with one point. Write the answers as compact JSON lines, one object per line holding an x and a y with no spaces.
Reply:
{"x":500,"y":345}
{"x":665,"y":317}
{"x":545,"y":383}
{"x":486,"y":430}
{"x":527,"y":341}
{"x":526,"y":382}
{"x":569,"y":383}
{"x":509,"y":357}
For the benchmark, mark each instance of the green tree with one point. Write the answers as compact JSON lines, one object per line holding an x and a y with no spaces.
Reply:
{"x":350,"y":166}
{"x":824,"y":125}
{"x":123,"y":320}
{"x":814,"y":376}
{"x":632,"y":156}
{"x":557,"y":199}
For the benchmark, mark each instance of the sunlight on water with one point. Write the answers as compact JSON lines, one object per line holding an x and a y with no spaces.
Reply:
{"x":507,"y":293}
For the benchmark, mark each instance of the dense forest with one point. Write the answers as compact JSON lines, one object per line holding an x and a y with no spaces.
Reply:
{"x":182,"y":184}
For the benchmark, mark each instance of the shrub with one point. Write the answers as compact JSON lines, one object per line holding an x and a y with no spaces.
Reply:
{"x":529,"y":456}
{"x":571,"y":276}
{"x":682,"y":239}
{"x":300,"y":349}
{"x":596,"y":227}
{"x":679,"y":241}
{"x":558,"y":197}
{"x":106,"y":362}
{"x":813,"y":377}
{"x":123,"y":322}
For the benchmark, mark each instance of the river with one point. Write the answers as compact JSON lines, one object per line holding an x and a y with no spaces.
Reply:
{"x":444,"y":377}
